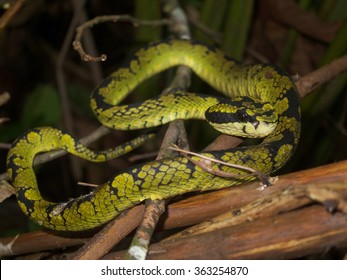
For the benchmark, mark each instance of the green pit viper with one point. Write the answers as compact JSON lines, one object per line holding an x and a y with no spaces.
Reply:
{"x":261,"y":102}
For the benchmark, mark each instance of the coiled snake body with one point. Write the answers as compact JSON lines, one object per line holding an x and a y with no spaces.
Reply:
{"x":262,"y":102}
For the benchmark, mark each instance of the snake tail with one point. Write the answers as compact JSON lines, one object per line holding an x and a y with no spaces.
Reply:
{"x":20,"y":166}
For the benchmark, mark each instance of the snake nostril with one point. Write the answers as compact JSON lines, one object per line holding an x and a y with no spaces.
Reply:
{"x":255,"y":124}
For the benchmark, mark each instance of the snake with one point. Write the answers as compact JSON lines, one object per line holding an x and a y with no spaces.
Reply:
{"x":259,"y":101}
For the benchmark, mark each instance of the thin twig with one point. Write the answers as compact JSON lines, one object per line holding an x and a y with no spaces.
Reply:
{"x":10,"y":13}
{"x":6,"y":190}
{"x":193,"y":16}
{"x":4,"y":98}
{"x":61,"y":82}
{"x":90,"y":46}
{"x":3,"y":120}
{"x":5,"y":146}
{"x":140,"y":243}
{"x":206,"y":165}
{"x":90,"y":185}
{"x":77,"y":45}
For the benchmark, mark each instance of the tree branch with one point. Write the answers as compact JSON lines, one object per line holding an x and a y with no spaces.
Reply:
{"x":322,"y":75}
{"x":175,"y":134}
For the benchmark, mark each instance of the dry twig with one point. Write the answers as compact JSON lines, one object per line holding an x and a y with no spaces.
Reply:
{"x":4,"y":98}
{"x":10,"y":13}
{"x":206,"y":165}
{"x":77,"y":45}
{"x":322,"y":75}
{"x":110,"y":235}
{"x":290,"y":13}
{"x":175,"y":134}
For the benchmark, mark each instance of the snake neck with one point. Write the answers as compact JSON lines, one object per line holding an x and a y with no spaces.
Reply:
{"x":208,"y":63}
{"x":263,"y":83}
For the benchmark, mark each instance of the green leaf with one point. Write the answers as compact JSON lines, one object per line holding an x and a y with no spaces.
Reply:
{"x":236,"y":27}
{"x":78,"y":96}
{"x":41,"y":108}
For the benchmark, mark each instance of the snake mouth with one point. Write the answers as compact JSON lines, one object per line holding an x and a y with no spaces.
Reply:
{"x":258,"y":129}
{"x":255,"y":129}
{"x":261,"y":129}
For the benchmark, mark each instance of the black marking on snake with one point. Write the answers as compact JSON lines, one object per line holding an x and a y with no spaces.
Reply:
{"x":244,"y":129}
{"x":209,"y":48}
{"x":138,"y":62}
{"x":26,"y":137}
{"x":50,"y":213}
{"x":155,"y":44}
{"x":37,"y":131}
{"x":287,"y":134}
{"x":239,"y":116}
{"x":132,"y":56}
{"x":99,"y":99}
{"x":114,"y":191}
{"x":136,"y":178}
{"x":229,"y":58}
{"x":21,"y":196}
{"x":13,"y":166}
{"x":244,"y":159}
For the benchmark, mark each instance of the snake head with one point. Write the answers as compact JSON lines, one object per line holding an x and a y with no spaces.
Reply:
{"x":243,"y":117}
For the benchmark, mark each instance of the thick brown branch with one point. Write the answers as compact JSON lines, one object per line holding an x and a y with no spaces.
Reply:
{"x":202,"y":207}
{"x":248,"y":211}
{"x":322,"y":75}
{"x":274,"y":237}
{"x":110,"y":235}
{"x":290,"y":13}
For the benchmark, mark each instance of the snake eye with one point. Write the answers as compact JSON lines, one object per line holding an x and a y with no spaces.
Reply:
{"x":242,"y":116}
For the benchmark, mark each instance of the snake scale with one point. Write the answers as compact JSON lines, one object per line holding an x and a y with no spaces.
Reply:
{"x":261,"y":101}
